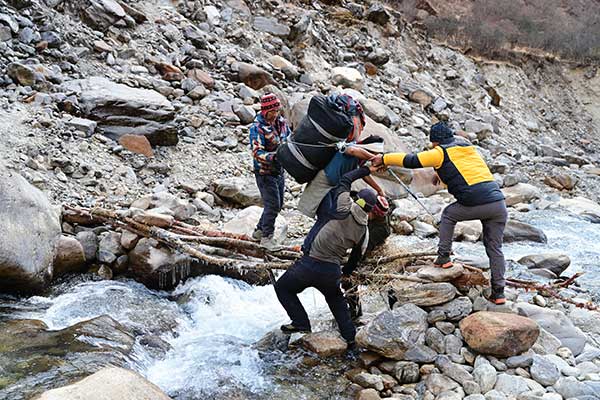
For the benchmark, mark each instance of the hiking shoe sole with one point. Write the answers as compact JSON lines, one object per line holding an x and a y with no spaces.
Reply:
{"x":445,"y":265}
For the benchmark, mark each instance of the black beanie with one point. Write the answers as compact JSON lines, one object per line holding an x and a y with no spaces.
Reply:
{"x":441,"y":133}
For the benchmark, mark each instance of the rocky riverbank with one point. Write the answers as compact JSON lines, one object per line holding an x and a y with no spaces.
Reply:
{"x":442,"y":342}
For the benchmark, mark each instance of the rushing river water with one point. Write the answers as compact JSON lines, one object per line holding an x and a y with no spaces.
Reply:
{"x":211,"y":324}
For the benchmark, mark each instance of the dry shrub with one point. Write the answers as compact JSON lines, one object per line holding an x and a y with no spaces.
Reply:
{"x":570,"y":29}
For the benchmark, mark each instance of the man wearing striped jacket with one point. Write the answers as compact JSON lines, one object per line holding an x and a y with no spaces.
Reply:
{"x":267,"y":132}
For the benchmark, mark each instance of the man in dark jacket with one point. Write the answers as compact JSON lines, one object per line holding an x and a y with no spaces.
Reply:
{"x":478,"y":197}
{"x":341,"y":225}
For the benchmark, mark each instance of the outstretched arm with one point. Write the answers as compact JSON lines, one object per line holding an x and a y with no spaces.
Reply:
{"x":371,"y":182}
{"x":430,"y":158}
{"x":359,"y":153}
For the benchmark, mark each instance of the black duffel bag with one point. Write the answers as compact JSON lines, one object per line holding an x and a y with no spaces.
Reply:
{"x":306,"y":151}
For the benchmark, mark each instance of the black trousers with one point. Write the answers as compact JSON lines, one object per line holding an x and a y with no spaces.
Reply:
{"x":325,"y":277}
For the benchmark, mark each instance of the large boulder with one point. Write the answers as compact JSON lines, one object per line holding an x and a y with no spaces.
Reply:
{"x":103,"y":14}
{"x":556,"y":323}
{"x":241,"y":191}
{"x":422,"y":294}
{"x":110,"y":383}
{"x":347,"y":77}
{"x":30,"y":232}
{"x":246,"y":220}
{"x":555,"y":262}
{"x":517,"y":231}
{"x":59,"y":356}
{"x":499,"y":334}
{"x":253,"y":76}
{"x":156,"y":266}
{"x":586,"y":208}
{"x":521,"y":193}
{"x":437,"y":274}
{"x":324,"y":344}
{"x":121,"y":110}
{"x":457,"y":309}
{"x":69,"y":256}
{"x":393,"y":332}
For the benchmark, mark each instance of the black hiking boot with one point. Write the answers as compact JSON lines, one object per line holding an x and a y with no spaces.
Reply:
{"x":289,"y":328}
{"x":497,"y":297}
{"x":443,"y":261}
{"x":352,"y":352}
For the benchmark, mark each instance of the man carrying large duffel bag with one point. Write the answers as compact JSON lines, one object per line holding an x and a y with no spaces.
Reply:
{"x":267,"y":132}
{"x":350,"y":156}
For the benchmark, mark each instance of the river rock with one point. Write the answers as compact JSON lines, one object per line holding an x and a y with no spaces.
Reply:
{"x":511,"y":385}
{"x":420,"y":353}
{"x":457,"y":309}
{"x":520,"y":193}
{"x":586,"y":208}
{"x":546,"y":343}
{"x":157,"y":267}
{"x":109,"y":247}
{"x":556,"y":323}
{"x":587,"y":321}
{"x":121,"y":110}
{"x":241,"y":191}
{"x":393,"y":332}
{"x":485,"y":375}
{"x":438,"y":383}
{"x":422,"y":294}
{"x":517,"y":231}
{"x":571,"y":388}
{"x":89,"y":243}
{"x":435,"y":339}
{"x":367,"y":380}
{"x":406,"y":372}
{"x":453,"y":370}
{"x":69,"y":256}
{"x":30,"y":232}
{"x":499,"y":334}
{"x":324,"y":344}
{"x":555,"y":262}
{"x":110,"y":383}
{"x":437,"y":274}
{"x":347,"y":77}
{"x":368,"y":394}
{"x":495,"y":395}
{"x":544,"y":371}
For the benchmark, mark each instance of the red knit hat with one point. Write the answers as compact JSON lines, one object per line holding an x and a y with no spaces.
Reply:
{"x":269,"y":102}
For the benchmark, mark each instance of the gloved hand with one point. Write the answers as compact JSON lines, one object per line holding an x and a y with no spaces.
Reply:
{"x":341,"y":146}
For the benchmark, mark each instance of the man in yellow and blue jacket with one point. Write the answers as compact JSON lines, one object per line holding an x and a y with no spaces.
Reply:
{"x":478,"y":197}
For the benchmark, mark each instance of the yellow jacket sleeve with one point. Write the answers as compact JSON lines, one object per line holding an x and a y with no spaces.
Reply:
{"x":430,"y":158}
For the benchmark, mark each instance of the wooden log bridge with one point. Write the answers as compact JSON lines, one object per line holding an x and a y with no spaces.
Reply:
{"x":229,"y":251}
{"x":214,"y":248}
